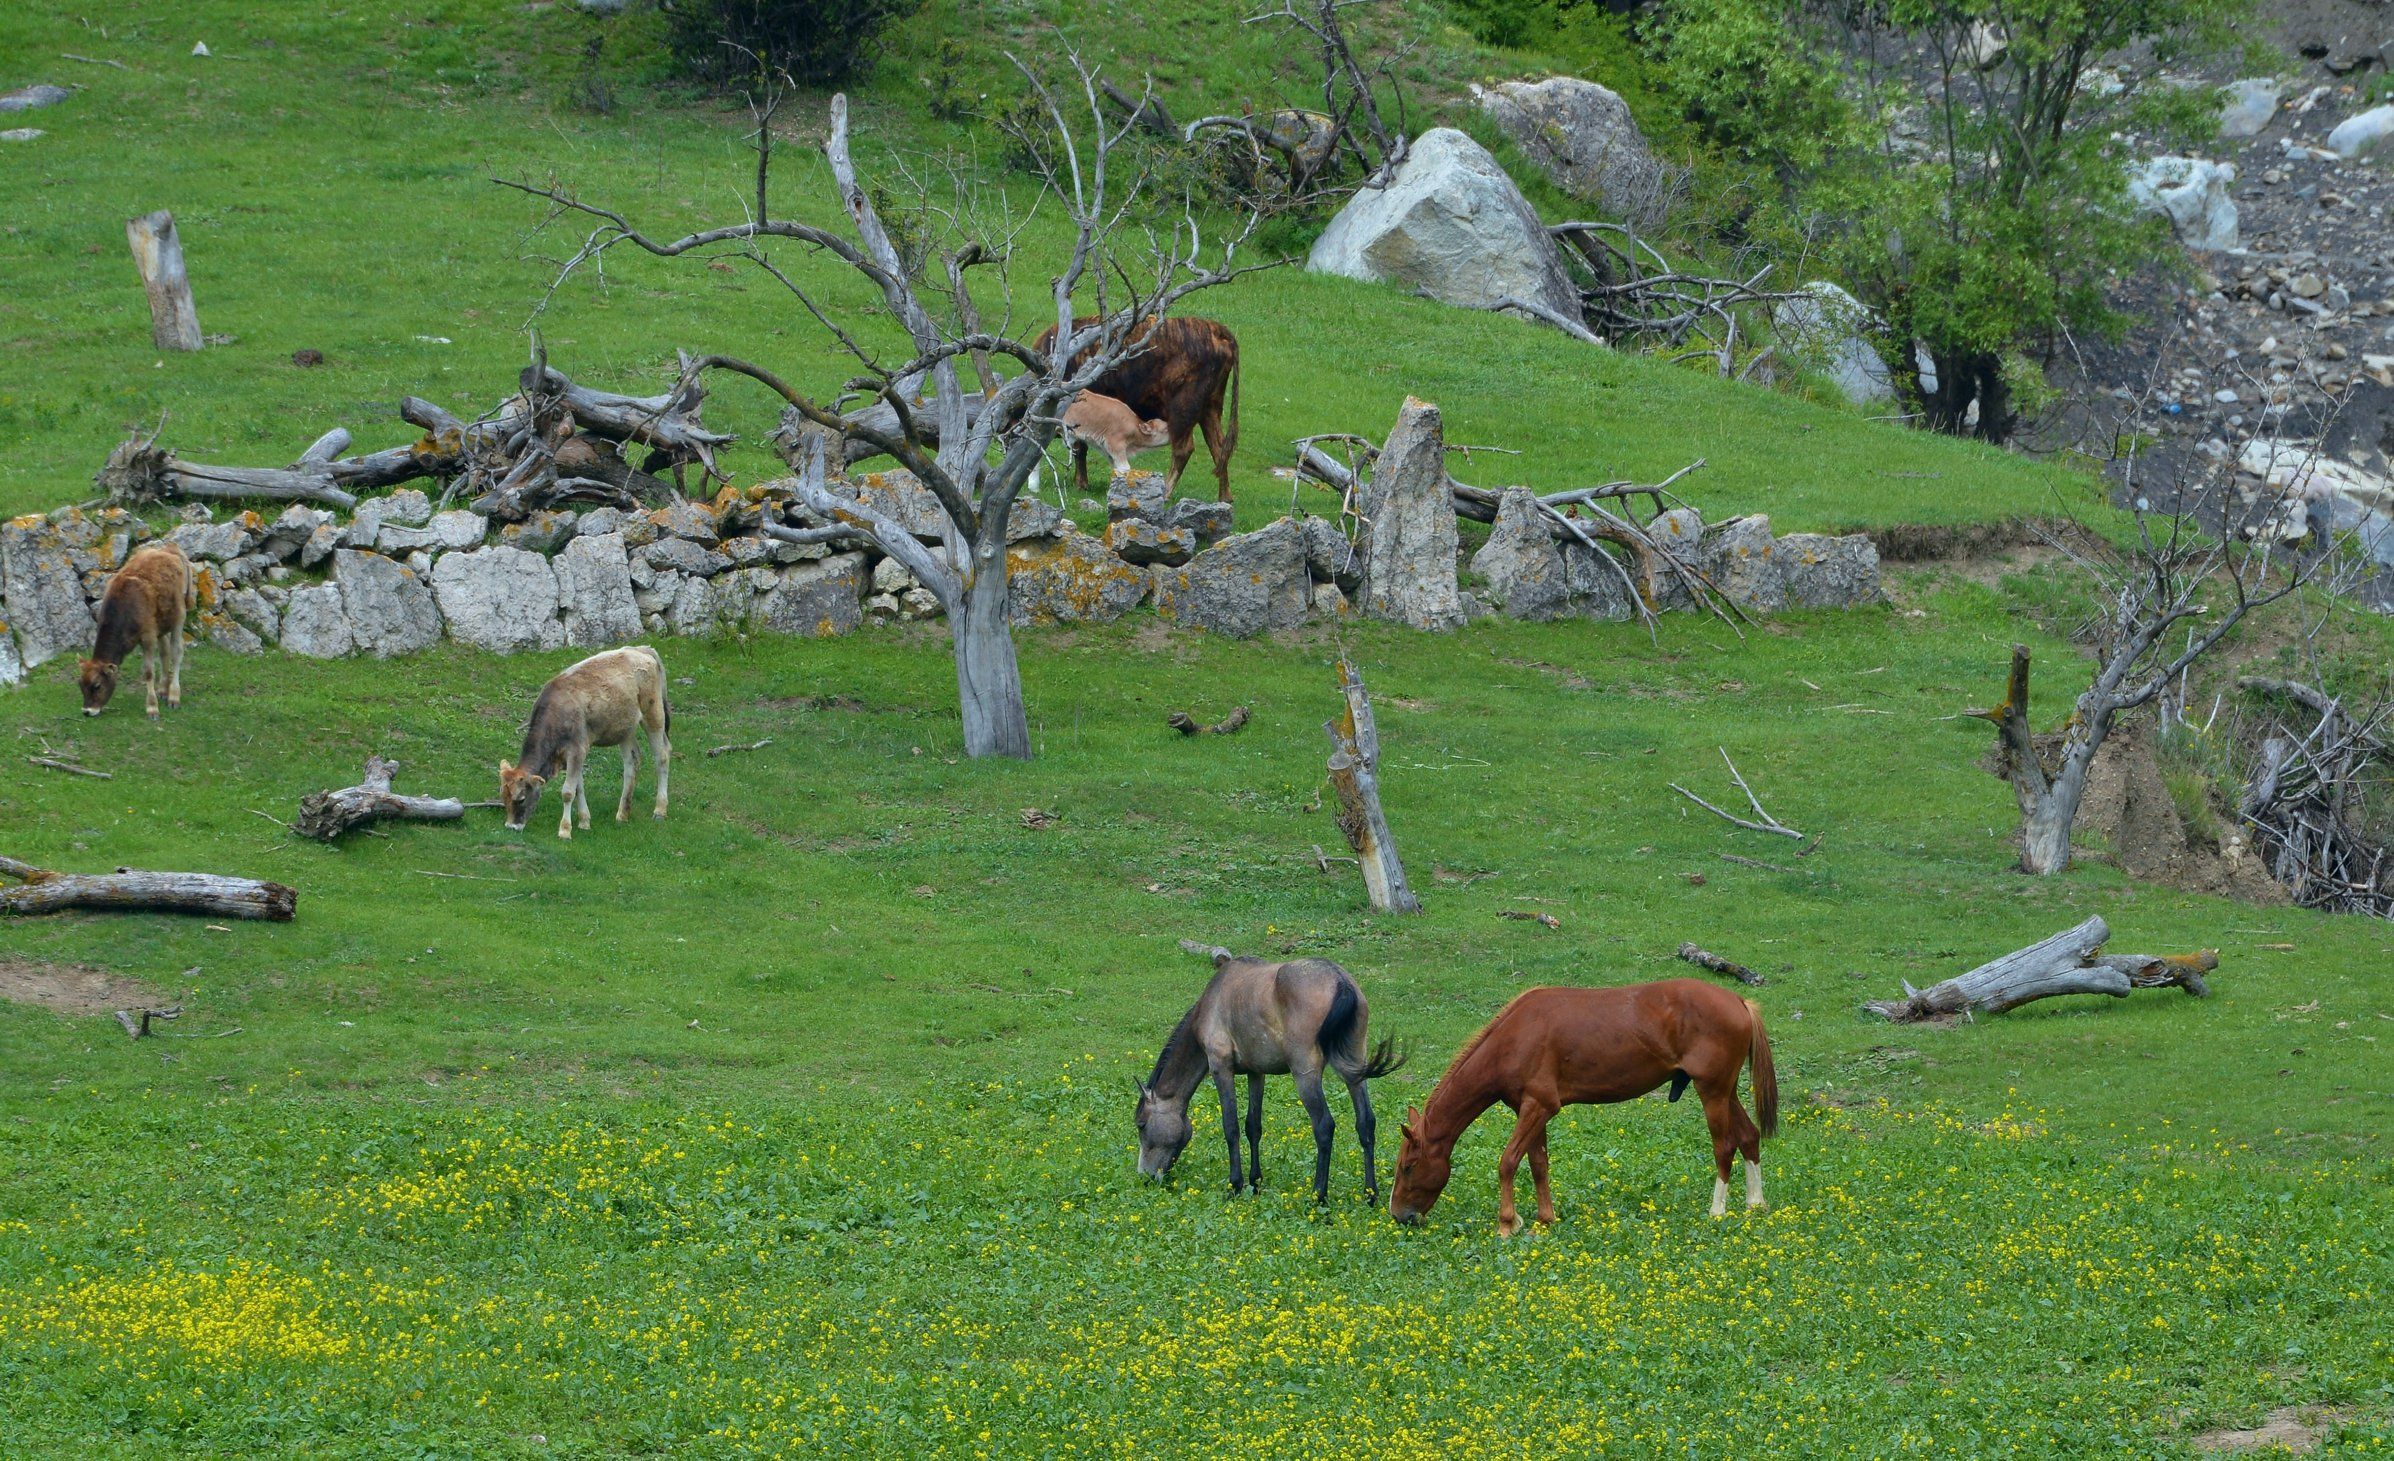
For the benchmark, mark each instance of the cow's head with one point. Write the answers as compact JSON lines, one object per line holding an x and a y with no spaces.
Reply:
{"x":1152,"y":434}
{"x":98,"y":679}
{"x":519,"y":793}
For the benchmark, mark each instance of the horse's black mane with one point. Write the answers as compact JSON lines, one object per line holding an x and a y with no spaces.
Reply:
{"x":1184,"y":1033}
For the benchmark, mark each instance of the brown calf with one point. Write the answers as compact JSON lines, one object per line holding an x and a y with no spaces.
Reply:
{"x":605,"y":700}
{"x":1110,"y":426}
{"x":1180,"y":375}
{"x":142,"y":609}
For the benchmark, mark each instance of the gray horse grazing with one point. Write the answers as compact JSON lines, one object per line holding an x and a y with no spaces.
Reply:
{"x":1257,"y":1019}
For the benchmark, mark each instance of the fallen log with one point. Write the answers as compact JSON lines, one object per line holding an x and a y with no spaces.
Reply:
{"x":139,"y":470}
{"x":128,"y":890}
{"x":1718,"y":965}
{"x":1354,"y":769}
{"x":2070,"y":962}
{"x":325,"y":815}
{"x":1186,"y":724}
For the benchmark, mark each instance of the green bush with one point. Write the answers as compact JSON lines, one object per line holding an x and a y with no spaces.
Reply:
{"x":730,"y":41}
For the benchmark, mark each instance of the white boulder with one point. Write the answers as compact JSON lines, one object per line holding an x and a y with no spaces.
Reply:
{"x":1828,"y":330}
{"x":1584,"y":138}
{"x":499,"y":599}
{"x":2246,"y":106}
{"x":1452,"y":224}
{"x":2362,"y":134}
{"x":2193,"y":194}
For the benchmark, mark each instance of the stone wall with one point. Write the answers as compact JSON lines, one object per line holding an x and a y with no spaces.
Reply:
{"x":397,"y":575}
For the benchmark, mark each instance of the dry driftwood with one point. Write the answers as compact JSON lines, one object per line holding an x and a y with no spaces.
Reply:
{"x":1718,"y":965}
{"x":128,"y":890}
{"x":158,"y":254}
{"x":1768,"y":823}
{"x":1355,"y":779}
{"x":2070,"y":962}
{"x":1215,"y":952}
{"x":1186,"y":724}
{"x":325,"y":815}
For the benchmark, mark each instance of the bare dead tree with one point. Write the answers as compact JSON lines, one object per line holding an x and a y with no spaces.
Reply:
{"x":973,"y":461}
{"x":1631,"y":294}
{"x":2147,"y":590}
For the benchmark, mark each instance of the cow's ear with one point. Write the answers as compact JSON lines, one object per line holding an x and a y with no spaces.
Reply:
{"x":506,"y":767}
{"x":532,"y":780}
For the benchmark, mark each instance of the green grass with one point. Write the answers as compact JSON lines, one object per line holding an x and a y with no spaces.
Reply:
{"x":800,"y":1122}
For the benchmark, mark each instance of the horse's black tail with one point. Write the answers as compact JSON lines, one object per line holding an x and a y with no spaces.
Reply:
{"x":1338,"y":1030}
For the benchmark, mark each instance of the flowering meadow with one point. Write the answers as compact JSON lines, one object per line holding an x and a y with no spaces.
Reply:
{"x":980,"y":1275}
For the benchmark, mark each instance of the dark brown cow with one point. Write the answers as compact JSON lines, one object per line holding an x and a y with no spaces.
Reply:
{"x":1181,"y":375}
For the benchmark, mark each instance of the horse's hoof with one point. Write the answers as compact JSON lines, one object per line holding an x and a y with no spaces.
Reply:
{"x":1507,"y":1228}
{"x":565,"y":834}
{"x":621,"y":817}
{"x":1758,"y":1207}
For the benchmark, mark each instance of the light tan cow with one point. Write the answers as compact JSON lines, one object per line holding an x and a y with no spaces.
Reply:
{"x":1111,"y":427}
{"x":142,"y":608}
{"x":605,"y":700}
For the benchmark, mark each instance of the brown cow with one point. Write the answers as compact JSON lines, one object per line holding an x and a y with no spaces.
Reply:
{"x":143,"y":609}
{"x":605,"y":700}
{"x":1181,"y":375}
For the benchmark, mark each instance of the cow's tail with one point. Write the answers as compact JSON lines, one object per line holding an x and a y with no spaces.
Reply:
{"x":1766,"y":1076}
{"x":1230,"y":431}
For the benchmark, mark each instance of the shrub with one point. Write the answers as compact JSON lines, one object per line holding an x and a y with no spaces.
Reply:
{"x":729,"y":41}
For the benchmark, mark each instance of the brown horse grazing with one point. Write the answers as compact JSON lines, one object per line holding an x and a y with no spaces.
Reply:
{"x":1257,"y":1019}
{"x":142,"y":608}
{"x":1552,"y":1048}
{"x":605,"y":700}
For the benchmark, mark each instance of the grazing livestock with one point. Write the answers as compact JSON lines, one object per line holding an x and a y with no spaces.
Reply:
{"x":1179,"y":374}
{"x":143,"y":609}
{"x":1552,"y":1048}
{"x":606,"y":700}
{"x":1105,"y":423}
{"x":1257,"y":1019}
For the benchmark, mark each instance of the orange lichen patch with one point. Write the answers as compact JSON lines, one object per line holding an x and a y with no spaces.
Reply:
{"x":207,"y":585}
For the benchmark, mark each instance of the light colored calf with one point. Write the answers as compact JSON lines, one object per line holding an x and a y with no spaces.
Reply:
{"x":142,"y":608}
{"x":1111,"y":427}
{"x":605,"y":700}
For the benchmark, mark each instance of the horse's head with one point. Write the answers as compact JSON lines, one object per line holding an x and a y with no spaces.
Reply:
{"x":1163,"y":1132}
{"x":1421,"y":1173}
{"x":98,"y":679}
{"x":519,"y":793}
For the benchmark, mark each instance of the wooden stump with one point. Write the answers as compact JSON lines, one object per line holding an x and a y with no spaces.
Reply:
{"x":2070,"y":962}
{"x":325,"y":815}
{"x":158,"y":254}
{"x":128,"y":890}
{"x":1355,"y":778}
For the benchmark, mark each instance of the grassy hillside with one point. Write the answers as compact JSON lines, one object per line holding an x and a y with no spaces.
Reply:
{"x":799,"y":1121}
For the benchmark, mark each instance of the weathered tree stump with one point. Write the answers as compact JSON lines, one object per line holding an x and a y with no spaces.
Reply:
{"x":325,"y":815}
{"x":158,"y":254}
{"x":1355,"y":778}
{"x":2070,"y":962}
{"x":128,"y":890}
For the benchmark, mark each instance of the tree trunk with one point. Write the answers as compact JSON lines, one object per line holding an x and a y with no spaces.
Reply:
{"x":2070,"y":962}
{"x":1354,"y":769}
{"x":158,"y":254}
{"x":128,"y":890}
{"x":988,"y":681}
{"x":325,"y":815}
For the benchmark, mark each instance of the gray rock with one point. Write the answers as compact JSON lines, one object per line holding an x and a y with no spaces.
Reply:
{"x":315,"y":624}
{"x":659,"y":591}
{"x":895,"y":494}
{"x":447,"y":532}
{"x":693,"y":521}
{"x":1599,"y":583}
{"x":219,"y":542}
{"x":692,"y":612}
{"x":543,"y":532}
{"x":29,"y":98}
{"x":44,"y":591}
{"x":1737,"y":556}
{"x":2360,"y":135}
{"x":320,"y":544}
{"x":1822,"y":572}
{"x":1329,"y":557}
{"x":1582,"y":136}
{"x":1409,"y":569}
{"x":892,"y":577}
{"x":390,"y":610}
{"x":1451,"y":223}
{"x":882,"y":606}
{"x":1829,"y":331}
{"x":1330,"y":602}
{"x":637,"y":530}
{"x":499,"y":599}
{"x":246,"y":569}
{"x":12,"y":668}
{"x":599,"y":521}
{"x":1138,"y":494}
{"x":1030,"y":519}
{"x":1521,"y":564}
{"x":750,"y":552}
{"x":2245,"y":107}
{"x":22,"y":134}
{"x":919,"y":603}
{"x":1242,"y":585}
{"x":815,"y":599}
{"x":1135,"y":540}
{"x":228,"y":633}
{"x":1207,"y":522}
{"x":594,"y":589}
{"x":250,"y":609}
{"x":1070,"y":579}
{"x":2193,"y":194}
{"x":683,"y":555}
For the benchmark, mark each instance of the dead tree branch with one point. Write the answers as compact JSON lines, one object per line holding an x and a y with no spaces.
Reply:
{"x":128,"y":890}
{"x":1767,"y":822}
{"x":1186,"y":724}
{"x":1355,"y":779}
{"x":325,"y":815}
{"x":2070,"y":962}
{"x":1718,"y":965}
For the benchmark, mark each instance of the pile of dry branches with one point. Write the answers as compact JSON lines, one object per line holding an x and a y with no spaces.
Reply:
{"x":551,"y":442}
{"x":2303,"y":799}
{"x":1630,"y":293}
